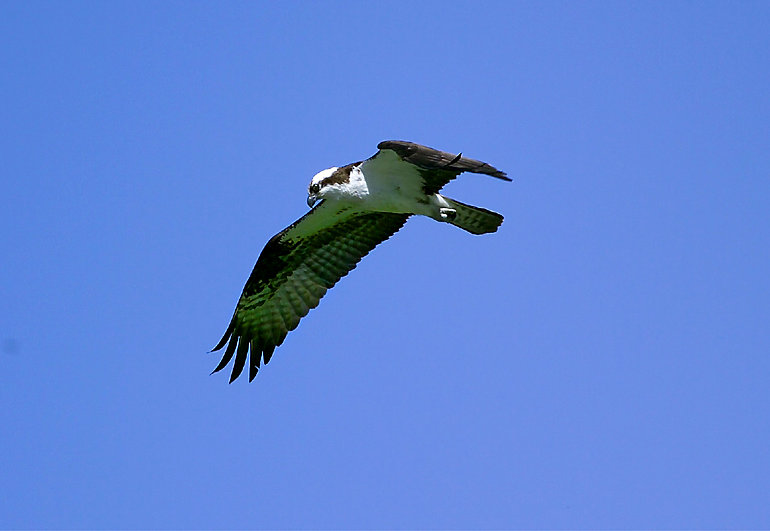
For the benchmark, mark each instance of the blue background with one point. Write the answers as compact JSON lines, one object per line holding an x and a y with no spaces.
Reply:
{"x":601,"y":361}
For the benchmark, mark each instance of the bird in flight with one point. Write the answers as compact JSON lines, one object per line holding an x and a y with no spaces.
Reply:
{"x":353,"y":209}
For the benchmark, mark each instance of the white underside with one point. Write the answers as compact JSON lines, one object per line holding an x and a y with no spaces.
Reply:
{"x":382,"y":184}
{"x":386,"y":184}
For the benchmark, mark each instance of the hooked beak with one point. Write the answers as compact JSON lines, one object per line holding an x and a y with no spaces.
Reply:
{"x":311,"y":200}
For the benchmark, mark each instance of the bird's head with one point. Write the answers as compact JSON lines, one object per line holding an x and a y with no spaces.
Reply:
{"x":320,"y":186}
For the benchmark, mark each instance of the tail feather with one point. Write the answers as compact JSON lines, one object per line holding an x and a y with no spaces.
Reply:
{"x":475,"y":220}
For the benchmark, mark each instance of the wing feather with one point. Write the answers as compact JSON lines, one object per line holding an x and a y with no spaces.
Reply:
{"x":285,"y":311}
{"x":228,"y":352}
{"x":254,"y":359}
{"x":436,"y":167}
{"x":240,"y":358}
{"x":292,"y":274}
{"x":267,"y":353}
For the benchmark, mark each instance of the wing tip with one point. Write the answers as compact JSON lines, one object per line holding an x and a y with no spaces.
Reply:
{"x":498,"y":173}
{"x":225,"y":337}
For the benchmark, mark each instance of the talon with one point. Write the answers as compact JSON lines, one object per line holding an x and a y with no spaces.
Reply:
{"x":447,"y":214}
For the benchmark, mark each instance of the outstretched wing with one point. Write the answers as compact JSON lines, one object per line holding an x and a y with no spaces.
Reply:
{"x":293,"y":272}
{"x":437,"y":167}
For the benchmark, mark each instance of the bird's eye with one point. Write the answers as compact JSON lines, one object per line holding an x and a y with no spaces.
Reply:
{"x":314,"y":188}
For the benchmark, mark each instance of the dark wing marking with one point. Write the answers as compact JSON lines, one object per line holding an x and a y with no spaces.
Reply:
{"x":438,"y":167}
{"x":292,"y":273}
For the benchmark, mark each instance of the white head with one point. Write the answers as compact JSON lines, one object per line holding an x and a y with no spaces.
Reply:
{"x":324,"y":182}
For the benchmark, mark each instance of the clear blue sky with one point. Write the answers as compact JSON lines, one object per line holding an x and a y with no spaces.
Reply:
{"x":601,"y":361}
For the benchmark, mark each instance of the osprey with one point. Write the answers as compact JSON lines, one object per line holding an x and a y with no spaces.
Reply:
{"x":353,"y":208}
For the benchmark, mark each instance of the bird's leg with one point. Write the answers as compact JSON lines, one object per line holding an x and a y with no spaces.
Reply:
{"x":447,"y":214}
{"x":443,"y":209}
